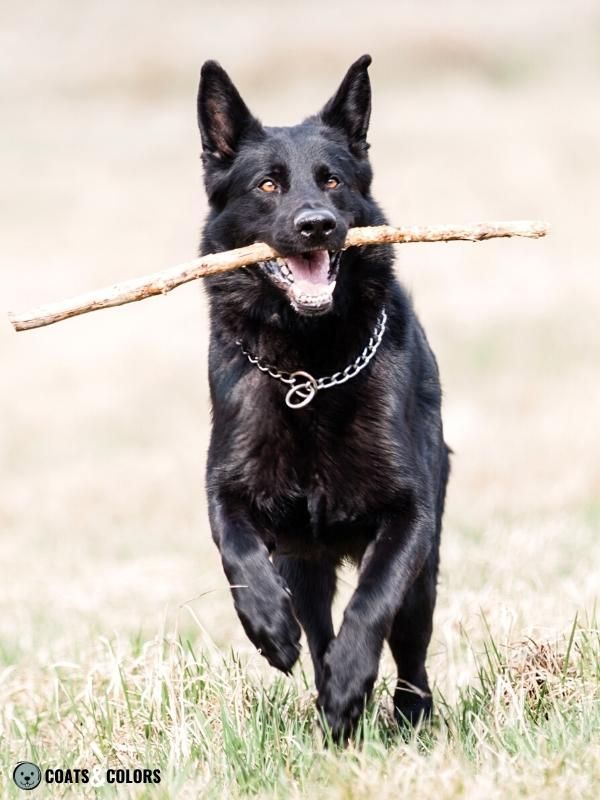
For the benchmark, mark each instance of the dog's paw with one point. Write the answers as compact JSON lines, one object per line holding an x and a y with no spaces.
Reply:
{"x":347,"y":678}
{"x":271,"y":626}
{"x":412,"y":706}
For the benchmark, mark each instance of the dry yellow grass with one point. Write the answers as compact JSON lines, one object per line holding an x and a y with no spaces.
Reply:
{"x":479,"y":113}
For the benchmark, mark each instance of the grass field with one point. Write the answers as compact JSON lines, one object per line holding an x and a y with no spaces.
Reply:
{"x":118,"y":642}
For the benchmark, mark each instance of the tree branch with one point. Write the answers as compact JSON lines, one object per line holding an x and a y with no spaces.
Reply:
{"x":162,"y":282}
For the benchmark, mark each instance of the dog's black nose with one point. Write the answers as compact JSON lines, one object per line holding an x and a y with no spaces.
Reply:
{"x":315,"y":224}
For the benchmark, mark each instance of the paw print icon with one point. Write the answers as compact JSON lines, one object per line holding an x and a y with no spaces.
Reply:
{"x":27,"y":775}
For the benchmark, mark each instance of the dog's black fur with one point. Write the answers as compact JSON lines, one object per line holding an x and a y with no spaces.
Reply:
{"x":360,"y":473}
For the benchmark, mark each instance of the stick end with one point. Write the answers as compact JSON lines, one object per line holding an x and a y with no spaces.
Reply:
{"x":537,"y":229}
{"x":16,"y":321}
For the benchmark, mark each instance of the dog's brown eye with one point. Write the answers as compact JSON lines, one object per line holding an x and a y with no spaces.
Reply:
{"x":267,"y":185}
{"x":332,"y":182}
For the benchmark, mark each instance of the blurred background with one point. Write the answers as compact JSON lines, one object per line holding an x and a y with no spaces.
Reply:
{"x":480,"y":112}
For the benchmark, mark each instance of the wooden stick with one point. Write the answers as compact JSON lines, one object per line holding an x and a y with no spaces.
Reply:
{"x":162,"y":282}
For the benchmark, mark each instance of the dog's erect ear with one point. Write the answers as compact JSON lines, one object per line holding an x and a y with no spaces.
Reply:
{"x":350,"y":107}
{"x":223,"y":117}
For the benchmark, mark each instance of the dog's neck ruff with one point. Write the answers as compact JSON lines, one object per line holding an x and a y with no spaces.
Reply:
{"x":303,"y":386}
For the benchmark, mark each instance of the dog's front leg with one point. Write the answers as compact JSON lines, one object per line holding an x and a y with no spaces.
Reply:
{"x":390,"y":564}
{"x":261,"y":597}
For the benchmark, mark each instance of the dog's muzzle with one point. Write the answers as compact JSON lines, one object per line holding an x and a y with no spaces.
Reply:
{"x":308,"y":279}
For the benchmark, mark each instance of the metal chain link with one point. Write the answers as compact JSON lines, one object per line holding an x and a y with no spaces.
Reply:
{"x":303,"y":391}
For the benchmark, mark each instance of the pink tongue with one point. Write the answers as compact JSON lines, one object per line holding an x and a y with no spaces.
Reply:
{"x":310,"y":273}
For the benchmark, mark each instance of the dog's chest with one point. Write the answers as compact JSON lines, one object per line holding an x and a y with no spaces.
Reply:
{"x":341,"y":462}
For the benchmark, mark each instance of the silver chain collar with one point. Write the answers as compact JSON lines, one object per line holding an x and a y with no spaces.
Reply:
{"x":303,"y":385}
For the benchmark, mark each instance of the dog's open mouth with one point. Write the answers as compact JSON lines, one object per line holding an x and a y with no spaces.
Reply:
{"x":308,"y":279}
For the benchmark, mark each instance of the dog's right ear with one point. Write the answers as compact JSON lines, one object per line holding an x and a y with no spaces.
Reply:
{"x":349,"y":109}
{"x":223,"y":117}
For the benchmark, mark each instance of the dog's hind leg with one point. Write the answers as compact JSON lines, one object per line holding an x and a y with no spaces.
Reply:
{"x":312,"y":584}
{"x":408,"y":639}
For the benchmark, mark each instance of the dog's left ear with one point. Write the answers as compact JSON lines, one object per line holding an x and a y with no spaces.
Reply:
{"x":223,"y":117}
{"x":350,"y":107}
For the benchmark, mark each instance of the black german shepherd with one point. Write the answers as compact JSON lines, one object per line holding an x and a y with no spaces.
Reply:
{"x":327,"y":440}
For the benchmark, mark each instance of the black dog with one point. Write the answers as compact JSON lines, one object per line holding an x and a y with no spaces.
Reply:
{"x":304,"y":473}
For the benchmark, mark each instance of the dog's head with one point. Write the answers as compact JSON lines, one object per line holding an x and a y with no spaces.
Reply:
{"x":297,"y":188}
